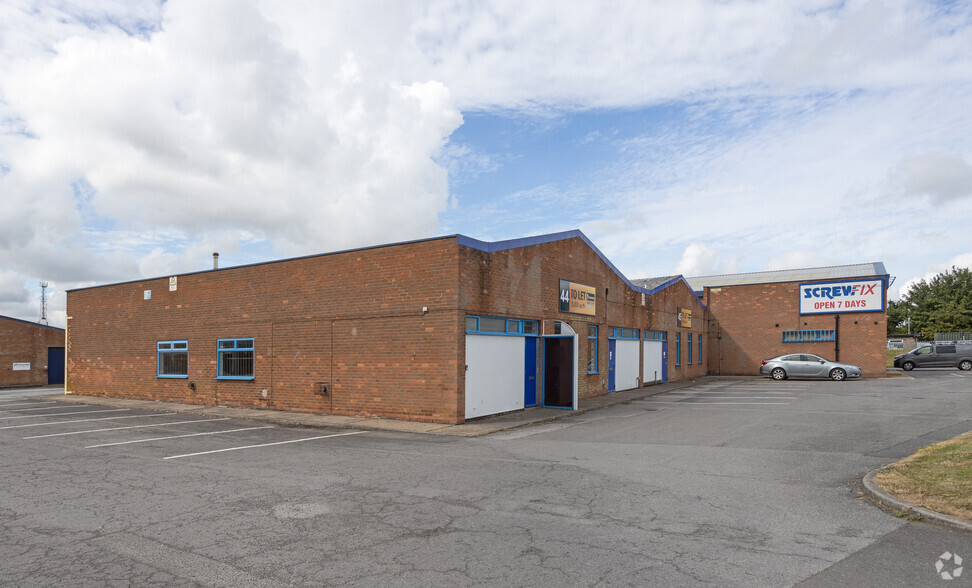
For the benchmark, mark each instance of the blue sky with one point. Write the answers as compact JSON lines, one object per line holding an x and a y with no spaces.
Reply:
{"x":697,"y":137}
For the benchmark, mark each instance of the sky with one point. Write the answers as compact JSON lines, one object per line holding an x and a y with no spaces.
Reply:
{"x":698,"y":137}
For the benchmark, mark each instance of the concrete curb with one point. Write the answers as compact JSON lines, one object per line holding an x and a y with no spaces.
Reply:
{"x":888,"y":501}
{"x":475,"y":428}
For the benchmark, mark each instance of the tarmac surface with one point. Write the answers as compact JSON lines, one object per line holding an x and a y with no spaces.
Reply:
{"x":723,"y":482}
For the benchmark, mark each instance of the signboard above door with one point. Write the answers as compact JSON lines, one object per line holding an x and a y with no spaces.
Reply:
{"x":577,"y":298}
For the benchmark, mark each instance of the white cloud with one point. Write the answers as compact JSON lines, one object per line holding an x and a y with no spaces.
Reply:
{"x":137,"y":137}
{"x":699,"y":259}
{"x":797,"y":260}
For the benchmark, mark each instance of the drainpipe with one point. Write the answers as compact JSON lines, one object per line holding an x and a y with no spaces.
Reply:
{"x":836,"y":337}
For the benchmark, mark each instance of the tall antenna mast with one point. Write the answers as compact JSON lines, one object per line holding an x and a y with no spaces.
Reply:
{"x":43,"y":317}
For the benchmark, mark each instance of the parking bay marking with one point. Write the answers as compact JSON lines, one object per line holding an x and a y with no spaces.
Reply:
{"x":27,"y":416}
{"x":133,"y":416}
{"x":125,"y":428}
{"x":8,"y":406}
{"x":262,"y":445}
{"x":178,"y":436}
{"x":4,"y":408}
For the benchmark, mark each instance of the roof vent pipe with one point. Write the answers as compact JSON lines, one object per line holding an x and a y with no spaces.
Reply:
{"x":215,"y":260}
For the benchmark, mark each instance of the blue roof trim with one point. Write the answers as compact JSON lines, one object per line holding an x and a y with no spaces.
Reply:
{"x":31,"y":323}
{"x":563,"y":236}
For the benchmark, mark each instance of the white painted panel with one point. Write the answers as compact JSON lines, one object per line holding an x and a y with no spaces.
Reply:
{"x":653,"y":361}
{"x":494,"y":378}
{"x":626,"y":365}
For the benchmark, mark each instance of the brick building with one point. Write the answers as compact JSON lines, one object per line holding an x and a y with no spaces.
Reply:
{"x":440,"y":330}
{"x":837,"y":312}
{"x":31,"y":354}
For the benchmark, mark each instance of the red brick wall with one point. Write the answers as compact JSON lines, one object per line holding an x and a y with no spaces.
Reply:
{"x":752,"y":319}
{"x":524,"y":283}
{"x":24,"y":342}
{"x":665,"y":306}
{"x":353,"y":320}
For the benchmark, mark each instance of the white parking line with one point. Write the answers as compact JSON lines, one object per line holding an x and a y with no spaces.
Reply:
{"x":263,"y":445}
{"x":29,"y":409}
{"x":134,"y":416}
{"x":27,"y":416}
{"x":177,"y":437}
{"x":124,"y":428}
{"x":7,"y":406}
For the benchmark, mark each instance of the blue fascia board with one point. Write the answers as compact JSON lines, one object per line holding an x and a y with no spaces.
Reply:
{"x":563,"y":236}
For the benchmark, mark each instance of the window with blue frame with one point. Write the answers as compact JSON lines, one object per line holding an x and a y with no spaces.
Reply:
{"x":810,"y":335}
{"x":488,"y":325}
{"x":624,"y":333}
{"x":655,"y":335}
{"x":678,"y":349}
{"x":173,"y":359}
{"x":689,"y":337}
{"x":234,"y":359}
{"x":592,"y":349}
{"x":700,"y":348}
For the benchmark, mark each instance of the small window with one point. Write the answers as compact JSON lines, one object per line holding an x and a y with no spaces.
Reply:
{"x":234,"y":359}
{"x":472,"y":323}
{"x":592,"y":349}
{"x":809,"y":335}
{"x":655,"y":335}
{"x":700,"y":348}
{"x":689,"y":362}
{"x":492,"y":325}
{"x":623,"y":333}
{"x":945,"y":349}
{"x":513,"y":326}
{"x":678,"y":349}
{"x":172,"y":359}
{"x":530,"y":327}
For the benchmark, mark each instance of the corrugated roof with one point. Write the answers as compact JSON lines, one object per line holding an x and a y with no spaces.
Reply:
{"x":652,"y":283}
{"x":858,"y":270}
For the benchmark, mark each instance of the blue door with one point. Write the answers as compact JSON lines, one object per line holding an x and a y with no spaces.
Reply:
{"x":55,"y":365}
{"x":611,"y":355}
{"x":664,"y":361}
{"x":530,"y":372}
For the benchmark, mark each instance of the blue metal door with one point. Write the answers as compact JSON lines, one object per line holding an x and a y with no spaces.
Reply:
{"x":55,"y":365}
{"x":664,"y":361}
{"x":530,"y":372}
{"x":611,"y":355}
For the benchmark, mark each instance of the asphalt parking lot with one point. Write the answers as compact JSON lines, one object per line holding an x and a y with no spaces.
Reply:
{"x":732,"y":482}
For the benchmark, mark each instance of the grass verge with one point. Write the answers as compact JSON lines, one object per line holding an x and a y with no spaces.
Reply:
{"x":892,"y":353}
{"x":938,"y":477}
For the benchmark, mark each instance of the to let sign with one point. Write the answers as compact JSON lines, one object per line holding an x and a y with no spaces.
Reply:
{"x":843,"y":296}
{"x":685,"y":317}
{"x":577,"y":298}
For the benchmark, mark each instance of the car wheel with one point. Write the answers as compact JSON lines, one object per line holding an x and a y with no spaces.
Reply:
{"x":908,"y":366}
{"x":778,"y":374}
{"x":965,"y":365}
{"x":837,"y":374}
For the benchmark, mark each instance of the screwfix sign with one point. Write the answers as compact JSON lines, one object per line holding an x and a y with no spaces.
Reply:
{"x":846,"y":296}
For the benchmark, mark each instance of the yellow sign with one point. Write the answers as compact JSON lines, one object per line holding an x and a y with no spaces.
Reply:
{"x":685,"y":317}
{"x":577,"y":298}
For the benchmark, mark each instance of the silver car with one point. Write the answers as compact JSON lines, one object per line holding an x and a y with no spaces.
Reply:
{"x":807,"y":365}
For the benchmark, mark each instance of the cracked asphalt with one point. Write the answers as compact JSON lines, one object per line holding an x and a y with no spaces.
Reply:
{"x":732,"y":482}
